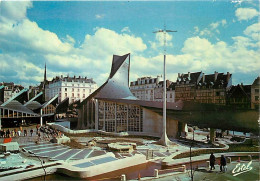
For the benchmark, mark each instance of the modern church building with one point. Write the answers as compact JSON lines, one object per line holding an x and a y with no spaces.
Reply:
{"x":113,"y":108}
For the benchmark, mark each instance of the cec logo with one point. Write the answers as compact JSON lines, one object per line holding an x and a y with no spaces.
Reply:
{"x":241,"y":168}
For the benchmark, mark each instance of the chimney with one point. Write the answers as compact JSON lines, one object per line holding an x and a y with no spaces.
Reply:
{"x":74,"y":77}
{"x":189,"y":74}
{"x":216,"y":76}
{"x":179,"y":75}
{"x":157,"y":80}
{"x":203,"y":78}
{"x":242,"y":84}
{"x":228,"y":76}
{"x":61,"y":76}
{"x":79,"y":77}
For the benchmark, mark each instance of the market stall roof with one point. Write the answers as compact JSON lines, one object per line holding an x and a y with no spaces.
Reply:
{"x":35,"y":102}
{"x":63,"y":106}
{"x":53,"y":101}
{"x":20,"y":97}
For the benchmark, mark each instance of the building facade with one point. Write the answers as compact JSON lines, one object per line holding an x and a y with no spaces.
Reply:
{"x":170,"y":92}
{"x":255,"y":94}
{"x":203,"y":88}
{"x":239,"y":96}
{"x":186,"y":85}
{"x":144,"y":87}
{"x":151,"y":89}
{"x":10,"y":89}
{"x":74,"y":88}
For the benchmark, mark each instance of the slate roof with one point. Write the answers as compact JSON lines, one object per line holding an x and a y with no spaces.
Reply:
{"x":192,"y":78}
{"x":256,"y":81}
{"x":240,"y":91}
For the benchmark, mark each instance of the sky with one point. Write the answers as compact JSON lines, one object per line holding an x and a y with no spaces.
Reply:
{"x":80,"y":38}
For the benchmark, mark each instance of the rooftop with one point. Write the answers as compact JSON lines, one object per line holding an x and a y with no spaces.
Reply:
{"x":72,"y":79}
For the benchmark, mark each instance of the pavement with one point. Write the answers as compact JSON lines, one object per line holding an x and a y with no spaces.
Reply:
{"x":215,"y":175}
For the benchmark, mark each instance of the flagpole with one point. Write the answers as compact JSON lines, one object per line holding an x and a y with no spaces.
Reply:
{"x":164,"y":138}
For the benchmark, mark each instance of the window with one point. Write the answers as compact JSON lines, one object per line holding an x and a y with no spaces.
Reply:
{"x":72,"y":94}
{"x":72,"y":89}
{"x":78,"y":85}
{"x":256,"y":98}
{"x":78,"y":90}
{"x":72,"y":85}
{"x":65,"y":89}
{"x":256,"y":90}
{"x":89,"y":90}
{"x":78,"y":95}
{"x":66,"y":95}
{"x":217,"y":93}
{"x":83,"y":90}
{"x":83,"y":95}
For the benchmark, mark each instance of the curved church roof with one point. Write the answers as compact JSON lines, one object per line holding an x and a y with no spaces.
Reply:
{"x":117,"y":84}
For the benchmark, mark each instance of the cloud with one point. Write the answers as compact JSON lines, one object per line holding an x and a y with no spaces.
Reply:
{"x":28,"y":36}
{"x":253,"y":31}
{"x":25,"y":47}
{"x":246,"y":13}
{"x":99,"y":16}
{"x":159,"y":40}
{"x":126,"y":29}
{"x":206,"y":32}
{"x":196,"y":30}
{"x":14,"y":10}
{"x":211,"y":29}
{"x":106,"y":41}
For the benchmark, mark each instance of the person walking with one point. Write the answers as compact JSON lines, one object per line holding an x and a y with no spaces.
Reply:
{"x":12,"y":133}
{"x":212,"y":160}
{"x":25,"y":132}
{"x":31,"y":131}
{"x":8,"y":134}
{"x":19,"y":133}
{"x":4,"y":132}
{"x":223,"y":163}
{"x":15,"y":132}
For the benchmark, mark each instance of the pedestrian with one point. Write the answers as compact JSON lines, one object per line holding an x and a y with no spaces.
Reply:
{"x":19,"y":133}
{"x":37,"y":128}
{"x":25,"y":132}
{"x":15,"y":132}
{"x":12,"y":133}
{"x":4,"y":133}
{"x":223,"y":163}
{"x":207,"y":137}
{"x":212,"y":160}
{"x":31,"y":131}
{"x":8,"y":133}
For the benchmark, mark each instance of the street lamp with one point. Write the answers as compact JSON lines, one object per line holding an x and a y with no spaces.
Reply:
{"x":164,"y":139}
